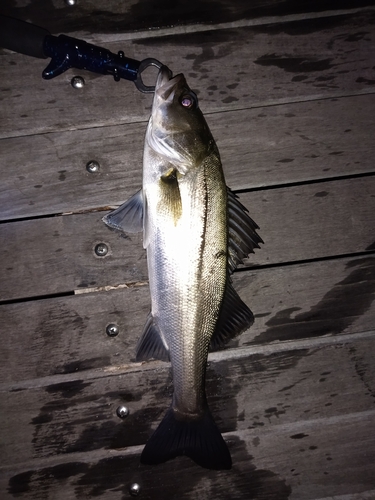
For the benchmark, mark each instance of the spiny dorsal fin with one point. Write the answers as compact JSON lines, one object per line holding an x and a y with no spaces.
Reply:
{"x":235,"y":317}
{"x":242,"y":237}
{"x":128,"y":218}
{"x":151,"y":345}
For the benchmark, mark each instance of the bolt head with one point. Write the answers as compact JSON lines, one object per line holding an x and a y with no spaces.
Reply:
{"x":134,"y":489}
{"x":93,"y":166}
{"x":122,"y":411}
{"x":112,"y":330}
{"x":77,"y":82}
{"x":101,"y":249}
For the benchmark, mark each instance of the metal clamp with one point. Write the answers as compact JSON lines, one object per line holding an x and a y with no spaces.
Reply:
{"x":67,"y":52}
{"x":146,"y":63}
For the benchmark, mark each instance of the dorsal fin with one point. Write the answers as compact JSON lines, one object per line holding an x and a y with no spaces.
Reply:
{"x":242,"y":235}
{"x":234,"y":318}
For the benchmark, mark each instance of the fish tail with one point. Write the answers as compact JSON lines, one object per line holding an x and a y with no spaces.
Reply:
{"x":198,"y":439}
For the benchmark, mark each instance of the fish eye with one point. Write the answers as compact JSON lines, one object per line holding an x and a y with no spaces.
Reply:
{"x":189,"y":100}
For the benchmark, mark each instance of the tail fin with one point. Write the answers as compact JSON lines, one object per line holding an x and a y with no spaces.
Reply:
{"x":198,"y":439}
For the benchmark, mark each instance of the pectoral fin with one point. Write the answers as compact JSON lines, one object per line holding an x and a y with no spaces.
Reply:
{"x":235,"y":317}
{"x":170,"y":196}
{"x":128,"y":218}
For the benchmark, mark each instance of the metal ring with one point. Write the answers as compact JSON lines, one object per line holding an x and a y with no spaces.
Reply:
{"x":144,"y":65}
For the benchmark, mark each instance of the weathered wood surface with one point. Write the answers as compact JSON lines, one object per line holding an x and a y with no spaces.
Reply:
{"x":320,"y":386}
{"x":94,"y":16}
{"x":291,"y":107}
{"x":259,"y":147}
{"x":289,"y":303}
{"x":231,"y":69}
{"x":298,"y":223}
{"x":313,"y":465}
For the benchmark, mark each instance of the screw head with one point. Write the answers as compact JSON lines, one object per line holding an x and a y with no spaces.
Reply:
{"x":93,"y":166}
{"x":122,"y":411}
{"x":101,"y":249}
{"x":134,"y":489}
{"x":77,"y":82}
{"x":112,"y":330}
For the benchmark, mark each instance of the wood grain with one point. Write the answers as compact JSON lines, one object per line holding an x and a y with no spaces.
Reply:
{"x":285,"y":390}
{"x":289,"y":303}
{"x":291,"y":106}
{"x":56,"y":254}
{"x":230,"y":69}
{"x":93,"y":16}
{"x":313,"y":467}
{"x":259,"y":147}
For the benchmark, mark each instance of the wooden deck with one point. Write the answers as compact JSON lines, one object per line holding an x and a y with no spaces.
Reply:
{"x":288,"y":91}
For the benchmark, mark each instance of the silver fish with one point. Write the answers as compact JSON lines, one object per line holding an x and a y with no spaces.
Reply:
{"x":195,"y":232}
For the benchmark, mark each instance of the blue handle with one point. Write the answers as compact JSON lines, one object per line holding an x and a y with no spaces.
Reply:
{"x":67,"y":52}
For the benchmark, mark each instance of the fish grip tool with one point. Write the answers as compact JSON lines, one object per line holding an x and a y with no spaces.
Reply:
{"x":67,"y":52}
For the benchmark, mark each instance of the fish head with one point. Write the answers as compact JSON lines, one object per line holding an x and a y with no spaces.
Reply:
{"x":177,"y":130}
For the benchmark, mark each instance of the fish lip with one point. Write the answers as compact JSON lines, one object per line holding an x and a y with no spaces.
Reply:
{"x":166,"y":84}
{"x":164,"y":75}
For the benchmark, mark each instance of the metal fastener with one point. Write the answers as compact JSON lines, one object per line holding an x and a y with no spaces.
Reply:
{"x":101,"y":249}
{"x":93,"y":166}
{"x":122,"y":411}
{"x":77,"y":82}
{"x":134,"y":489}
{"x":112,"y":330}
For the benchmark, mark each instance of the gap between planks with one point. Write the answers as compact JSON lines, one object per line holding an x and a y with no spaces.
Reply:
{"x":136,"y":284}
{"x":108,"y":288}
{"x":196,"y":28}
{"x":233,"y":107}
{"x":96,"y":455}
{"x":225,"y":355}
{"x":262,"y":187}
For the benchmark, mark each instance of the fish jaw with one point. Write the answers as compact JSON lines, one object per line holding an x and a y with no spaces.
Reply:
{"x":166,"y":86}
{"x":177,"y":133}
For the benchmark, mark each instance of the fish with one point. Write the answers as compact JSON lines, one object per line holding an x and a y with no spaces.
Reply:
{"x":195,"y":232}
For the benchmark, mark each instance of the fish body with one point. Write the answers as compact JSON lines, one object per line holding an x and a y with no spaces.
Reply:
{"x":195,"y":233}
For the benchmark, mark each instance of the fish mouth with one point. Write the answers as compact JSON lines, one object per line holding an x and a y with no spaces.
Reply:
{"x":166,"y":84}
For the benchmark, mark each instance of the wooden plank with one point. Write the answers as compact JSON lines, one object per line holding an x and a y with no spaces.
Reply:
{"x":231,"y":69}
{"x":314,"y":220}
{"x":327,"y":459}
{"x":297,"y":223}
{"x":94,"y":16}
{"x":250,"y":391}
{"x":290,"y":303}
{"x":57,"y":255}
{"x":47,"y":173}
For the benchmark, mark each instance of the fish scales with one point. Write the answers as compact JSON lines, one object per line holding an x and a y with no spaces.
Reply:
{"x":195,"y":232}
{"x":193,"y":274}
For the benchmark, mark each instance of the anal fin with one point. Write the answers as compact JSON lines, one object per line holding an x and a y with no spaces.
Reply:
{"x":151,"y":344}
